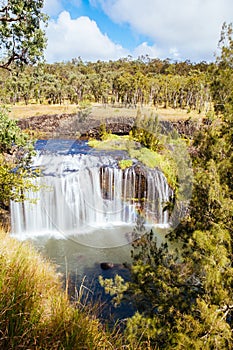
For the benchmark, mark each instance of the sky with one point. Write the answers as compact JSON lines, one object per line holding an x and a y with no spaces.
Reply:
{"x":111,"y":29}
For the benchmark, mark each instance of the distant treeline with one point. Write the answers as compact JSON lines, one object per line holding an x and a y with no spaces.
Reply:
{"x":127,"y":82}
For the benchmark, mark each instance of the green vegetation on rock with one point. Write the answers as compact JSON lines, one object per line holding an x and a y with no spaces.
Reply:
{"x":125,"y":163}
{"x":112,"y":142}
{"x":145,"y":144}
{"x":162,"y":161}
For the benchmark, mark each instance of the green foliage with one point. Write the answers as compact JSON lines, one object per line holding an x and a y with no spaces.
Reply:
{"x":222,"y":75}
{"x":125,"y":163}
{"x":11,"y":134}
{"x":162,"y":161}
{"x":222,"y":91}
{"x":184,"y":298}
{"x":84,"y":109}
{"x":16,"y":152}
{"x":167,"y":152}
{"x":115,"y":288}
{"x":120,"y":83}
{"x":103,"y":133}
{"x":112,"y":142}
{"x":21,"y":37}
{"x":146,"y":131}
{"x":156,"y":154}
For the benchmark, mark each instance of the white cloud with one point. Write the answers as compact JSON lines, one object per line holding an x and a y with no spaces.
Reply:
{"x":192,"y":27}
{"x":174,"y":53}
{"x":145,"y":49}
{"x":52,"y":7}
{"x":69,"y":38}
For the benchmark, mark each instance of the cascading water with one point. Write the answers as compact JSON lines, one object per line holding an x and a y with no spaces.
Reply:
{"x":79,"y":192}
{"x":91,"y":204}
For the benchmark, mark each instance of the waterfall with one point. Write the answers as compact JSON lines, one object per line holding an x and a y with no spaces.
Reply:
{"x":82,"y":191}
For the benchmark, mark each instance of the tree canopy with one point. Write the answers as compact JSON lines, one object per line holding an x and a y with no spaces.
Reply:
{"x":16,"y":151}
{"x":120,"y":83}
{"x":22,"y":40}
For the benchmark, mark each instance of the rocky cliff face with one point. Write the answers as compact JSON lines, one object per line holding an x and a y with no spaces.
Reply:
{"x":68,"y":125}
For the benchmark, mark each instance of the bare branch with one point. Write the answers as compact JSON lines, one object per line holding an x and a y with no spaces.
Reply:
{"x":9,"y":19}
{"x":4,"y":9}
{"x":13,"y":58}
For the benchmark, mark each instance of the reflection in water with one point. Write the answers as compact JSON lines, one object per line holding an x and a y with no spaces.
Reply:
{"x":79,"y":262}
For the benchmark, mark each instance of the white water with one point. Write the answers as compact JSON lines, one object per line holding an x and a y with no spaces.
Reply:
{"x":80,"y":193}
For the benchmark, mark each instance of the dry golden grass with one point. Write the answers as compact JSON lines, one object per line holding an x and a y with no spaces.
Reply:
{"x":35,"y":312}
{"x":99,"y":111}
{"x":22,"y":111}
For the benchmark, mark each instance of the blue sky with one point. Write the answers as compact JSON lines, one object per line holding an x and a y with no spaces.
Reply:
{"x":112,"y":29}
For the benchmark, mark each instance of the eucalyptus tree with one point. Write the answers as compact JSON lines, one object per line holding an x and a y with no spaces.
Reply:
{"x":222,"y":73}
{"x":222,"y":90}
{"x":122,"y":87}
{"x":16,"y":151}
{"x":22,"y":39}
{"x":96,"y":86}
{"x":80,"y":86}
{"x":141,"y":88}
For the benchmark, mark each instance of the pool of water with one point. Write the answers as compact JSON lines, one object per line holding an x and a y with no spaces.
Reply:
{"x":79,"y":260}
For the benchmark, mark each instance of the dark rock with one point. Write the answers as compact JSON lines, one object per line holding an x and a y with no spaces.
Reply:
{"x":106,"y":265}
{"x":110,"y":265}
{"x":5,"y":221}
{"x":70,"y":126}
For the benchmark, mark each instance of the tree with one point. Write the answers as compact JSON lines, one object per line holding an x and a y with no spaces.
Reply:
{"x":184,"y":298}
{"x":222,"y":91}
{"x":21,"y":38}
{"x":16,"y":151}
{"x":222,"y":74}
{"x":21,"y":42}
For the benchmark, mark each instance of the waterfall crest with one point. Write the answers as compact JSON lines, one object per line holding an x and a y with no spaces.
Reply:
{"x":83,"y":191}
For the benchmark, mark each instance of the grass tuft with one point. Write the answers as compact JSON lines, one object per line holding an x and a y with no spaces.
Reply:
{"x":35,"y":312}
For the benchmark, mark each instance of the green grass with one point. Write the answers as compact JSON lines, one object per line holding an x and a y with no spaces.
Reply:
{"x":162,"y":161}
{"x":35,"y":312}
{"x":125,"y":163}
{"x":112,"y":142}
